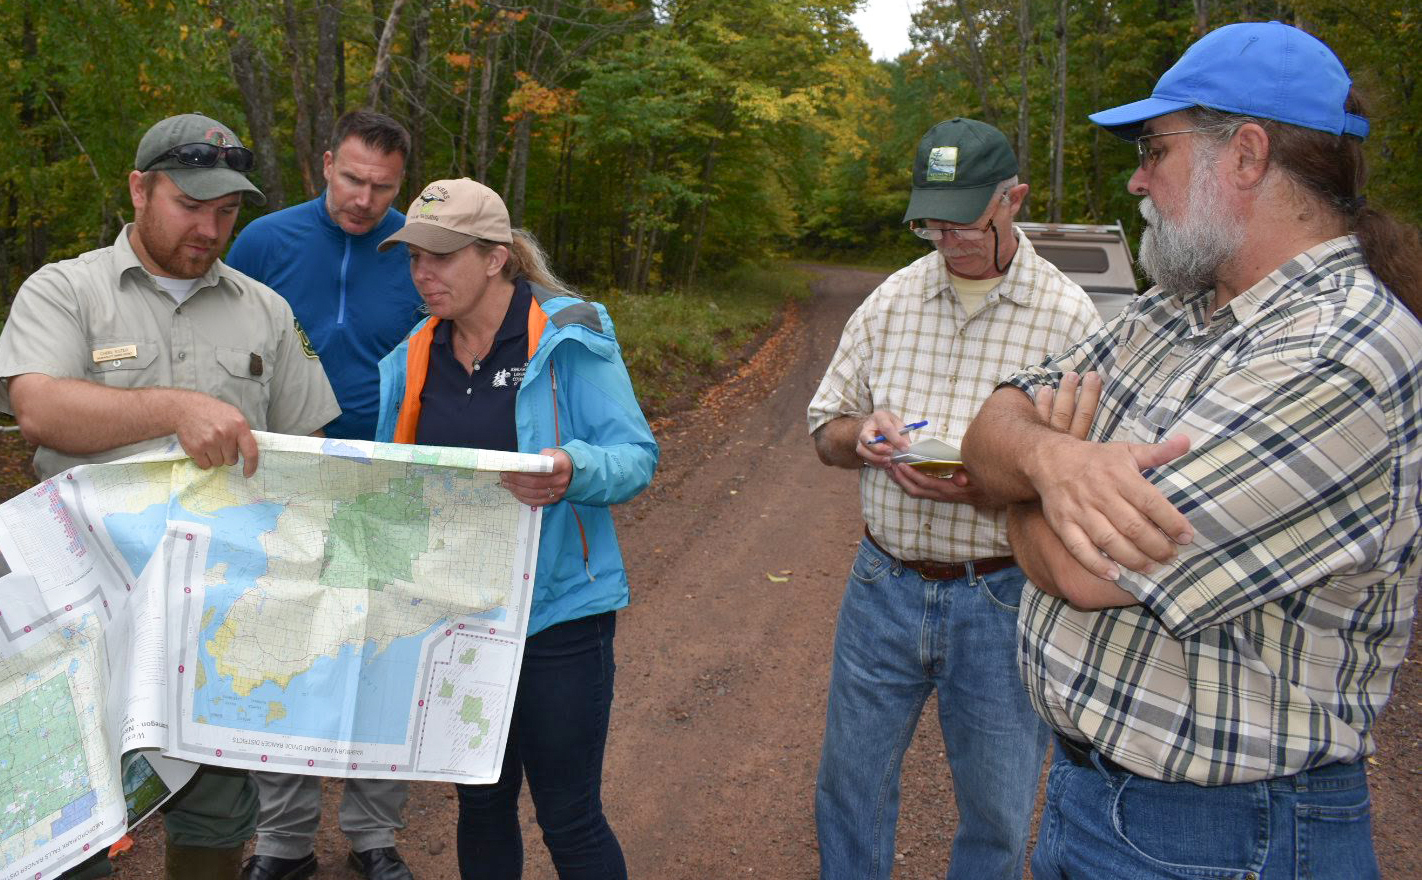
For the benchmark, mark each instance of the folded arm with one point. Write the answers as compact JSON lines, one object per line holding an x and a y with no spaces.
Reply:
{"x":1092,"y":494}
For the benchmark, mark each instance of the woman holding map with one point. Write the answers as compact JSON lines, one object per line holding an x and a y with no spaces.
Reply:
{"x":511,"y":359}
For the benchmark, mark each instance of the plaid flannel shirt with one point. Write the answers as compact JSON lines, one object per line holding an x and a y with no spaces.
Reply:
{"x":912,"y":349}
{"x":1270,"y":644}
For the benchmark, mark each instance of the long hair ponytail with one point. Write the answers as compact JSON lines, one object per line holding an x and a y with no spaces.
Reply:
{"x":1331,"y":169}
{"x":528,"y":259}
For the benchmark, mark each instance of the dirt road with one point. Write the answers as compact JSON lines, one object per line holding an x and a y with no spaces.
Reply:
{"x":722,"y":665}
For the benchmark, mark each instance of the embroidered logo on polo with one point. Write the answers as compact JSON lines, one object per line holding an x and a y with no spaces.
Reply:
{"x":942,"y":165}
{"x":507,"y":378}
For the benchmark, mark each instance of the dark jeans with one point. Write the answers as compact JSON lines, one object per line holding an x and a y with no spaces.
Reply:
{"x":557,"y":737}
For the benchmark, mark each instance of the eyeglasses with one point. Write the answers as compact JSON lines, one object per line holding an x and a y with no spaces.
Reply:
{"x":206,"y":156}
{"x":1150,"y":155}
{"x":971,"y":233}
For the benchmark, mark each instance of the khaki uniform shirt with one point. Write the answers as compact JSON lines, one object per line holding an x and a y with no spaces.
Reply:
{"x":101,"y":317}
{"x":912,"y":349}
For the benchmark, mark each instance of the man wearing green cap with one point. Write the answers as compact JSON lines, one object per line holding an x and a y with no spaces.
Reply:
{"x":1224,"y":568}
{"x":153,"y":339}
{"x":931,"y":602}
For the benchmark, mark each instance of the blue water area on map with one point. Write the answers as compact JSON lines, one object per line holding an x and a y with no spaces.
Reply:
{"x":315,"y":700}
{"x":312,"y":702}
{"x":137,"y":534}
{"x":74,"y":813}
{"x":335,"y":447}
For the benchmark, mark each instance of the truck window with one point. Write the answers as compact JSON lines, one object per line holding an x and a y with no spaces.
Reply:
{"x":1075,"y":259}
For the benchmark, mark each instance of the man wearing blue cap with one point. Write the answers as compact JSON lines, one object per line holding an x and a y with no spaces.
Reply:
{"x":1223,"y":553}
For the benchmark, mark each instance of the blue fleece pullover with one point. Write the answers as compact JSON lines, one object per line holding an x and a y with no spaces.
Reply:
{"x":355,"y":303}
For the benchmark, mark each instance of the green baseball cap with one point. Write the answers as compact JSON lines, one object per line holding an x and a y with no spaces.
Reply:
{"x":959,"y":165}
{"x":201,"y":183}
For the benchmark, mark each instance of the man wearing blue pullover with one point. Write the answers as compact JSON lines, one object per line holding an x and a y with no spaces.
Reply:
{"x":357,"y":304}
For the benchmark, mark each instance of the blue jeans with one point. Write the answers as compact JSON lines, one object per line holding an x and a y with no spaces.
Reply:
{"x":1102,"y":822}
{"x":899,"y":637}
{"x":557,"y":737}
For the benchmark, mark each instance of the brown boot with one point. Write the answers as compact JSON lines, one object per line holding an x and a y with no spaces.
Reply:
{"x":202,"y":863}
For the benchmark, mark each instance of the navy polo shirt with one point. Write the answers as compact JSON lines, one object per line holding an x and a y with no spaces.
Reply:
{"x":476,"y":409}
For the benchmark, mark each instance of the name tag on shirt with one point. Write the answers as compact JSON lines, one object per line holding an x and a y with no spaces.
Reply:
{"x":116,"y":353}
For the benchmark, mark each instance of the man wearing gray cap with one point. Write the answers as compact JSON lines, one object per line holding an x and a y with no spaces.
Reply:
{"x":153,"y":338}
{"x":931,"y":603}
{"x":1224,"y":570}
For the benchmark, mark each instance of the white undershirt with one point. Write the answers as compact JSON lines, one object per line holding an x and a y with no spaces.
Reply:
{"x":178,"y":288}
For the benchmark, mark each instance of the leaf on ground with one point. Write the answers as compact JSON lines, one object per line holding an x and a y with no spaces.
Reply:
{"x":774,"y":578}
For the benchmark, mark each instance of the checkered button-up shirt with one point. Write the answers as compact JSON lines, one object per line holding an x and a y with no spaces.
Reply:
{"x":1270,"y":645}
{"x":910,"y":348}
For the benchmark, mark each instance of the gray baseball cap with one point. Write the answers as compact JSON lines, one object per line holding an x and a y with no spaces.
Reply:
{"x":201,"y":183}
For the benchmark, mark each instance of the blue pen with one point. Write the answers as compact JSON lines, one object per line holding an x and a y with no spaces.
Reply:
{"x":880,"y":438}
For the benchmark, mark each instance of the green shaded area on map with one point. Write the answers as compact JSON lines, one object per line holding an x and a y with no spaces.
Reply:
{"x":446,"y":690}
{"x":375,"y":538}
{"x":472,"y":712}
{"x":469,"y":656}
{"x":42,"y":766}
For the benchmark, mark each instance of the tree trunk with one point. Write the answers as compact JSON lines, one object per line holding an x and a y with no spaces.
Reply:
{"x":562,"y":192}
{"x":466,"y":106}
{"x":328,"y":43}
{"x":1202,"y":17}
{"x":708,"y":169}
{"x":482,"y":132}
{"x":1059,"y":114}
{"x":340,"y":79}
{"x":249,"y":71}
{"x":517,"y":173}
{"x":415,"y":101}
{"x":382,"y":56}
{"x":308,"y":164}
{"x":977,"y":69}
{"x":1024,"y":116}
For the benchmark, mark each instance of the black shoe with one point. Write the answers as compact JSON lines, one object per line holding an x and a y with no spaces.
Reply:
{"x":382,"y":863}
{"x":273,"y":868}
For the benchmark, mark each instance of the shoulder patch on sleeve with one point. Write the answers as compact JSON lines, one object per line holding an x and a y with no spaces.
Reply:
{"x":305,"y":340}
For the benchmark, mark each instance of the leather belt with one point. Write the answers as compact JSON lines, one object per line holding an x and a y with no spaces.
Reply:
{"x":1079,"y":754}
{"x":946,"y":571}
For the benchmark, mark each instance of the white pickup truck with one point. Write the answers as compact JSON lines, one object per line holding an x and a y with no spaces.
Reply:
{"x":1096,"y":257}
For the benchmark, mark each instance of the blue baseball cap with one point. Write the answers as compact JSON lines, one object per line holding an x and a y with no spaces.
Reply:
{"x":1264,"y":69}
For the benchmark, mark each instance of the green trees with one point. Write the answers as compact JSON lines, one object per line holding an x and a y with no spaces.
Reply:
{"x":1002,"y":60}
{"x":645,"y":141}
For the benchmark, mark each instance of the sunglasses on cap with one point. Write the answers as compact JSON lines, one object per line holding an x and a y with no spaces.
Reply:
{"x":206,"y":156}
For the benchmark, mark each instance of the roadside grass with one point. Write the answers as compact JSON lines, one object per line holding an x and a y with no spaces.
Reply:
{"x":674,"y":343}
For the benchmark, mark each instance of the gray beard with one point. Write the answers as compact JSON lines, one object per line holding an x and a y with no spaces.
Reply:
{"x":1184,"y":258}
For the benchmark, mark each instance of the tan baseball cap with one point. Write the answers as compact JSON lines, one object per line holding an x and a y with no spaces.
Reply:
{"x":449,"y":214}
